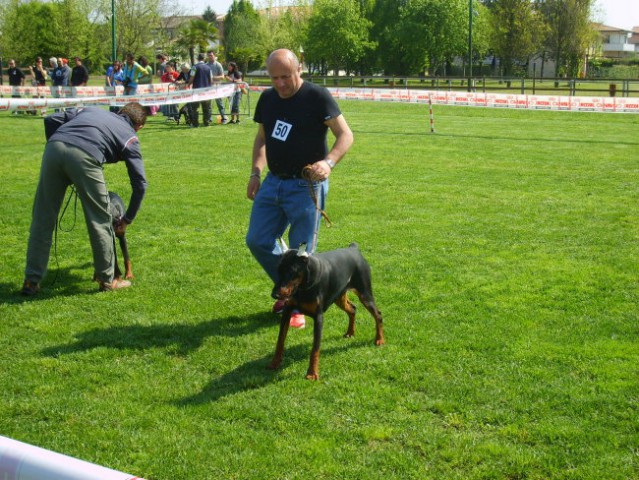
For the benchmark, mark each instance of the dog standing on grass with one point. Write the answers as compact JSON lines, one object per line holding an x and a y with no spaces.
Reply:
{"x":312,"y":283}
{"x":118,"y":209}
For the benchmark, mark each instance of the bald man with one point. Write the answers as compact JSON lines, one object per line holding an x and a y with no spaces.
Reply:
{"x":293,"y":119}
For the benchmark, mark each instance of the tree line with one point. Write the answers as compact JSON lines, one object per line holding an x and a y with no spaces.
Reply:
{"x":391,"y":37}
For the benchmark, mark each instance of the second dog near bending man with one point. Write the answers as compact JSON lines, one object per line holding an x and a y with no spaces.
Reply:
{"x":80,"y":142}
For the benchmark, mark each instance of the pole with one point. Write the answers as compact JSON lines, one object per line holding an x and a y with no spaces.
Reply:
{"x":430,"y":111}
{"x":470,"y":44}
{"x":113,"y":49}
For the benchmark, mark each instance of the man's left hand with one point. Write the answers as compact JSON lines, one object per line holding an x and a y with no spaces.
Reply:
{"x":318,"y":171}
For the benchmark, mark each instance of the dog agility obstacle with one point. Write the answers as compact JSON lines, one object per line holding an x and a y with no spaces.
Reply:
{"x":21,"y":461}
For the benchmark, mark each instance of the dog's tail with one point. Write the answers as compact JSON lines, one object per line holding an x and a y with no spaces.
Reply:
{"x":354,"y":245}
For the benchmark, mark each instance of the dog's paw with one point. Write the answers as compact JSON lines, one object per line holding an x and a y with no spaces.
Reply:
{"x":312,"y":376}
{"x":273,"y":365}
{"x":379,"y":341}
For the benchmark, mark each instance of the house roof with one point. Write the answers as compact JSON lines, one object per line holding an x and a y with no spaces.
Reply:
{"x":600,"y":27}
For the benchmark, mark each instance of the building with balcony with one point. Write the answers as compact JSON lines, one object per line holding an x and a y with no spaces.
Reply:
{"x":615,"y":42}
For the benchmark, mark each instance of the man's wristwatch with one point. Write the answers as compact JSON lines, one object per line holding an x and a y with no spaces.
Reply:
{"x":330,"y":162}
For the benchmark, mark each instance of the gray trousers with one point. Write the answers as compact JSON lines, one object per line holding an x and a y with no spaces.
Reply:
{"x":63,"y":165}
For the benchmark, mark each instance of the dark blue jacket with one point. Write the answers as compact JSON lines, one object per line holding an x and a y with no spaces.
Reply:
{"x":107,"y":137}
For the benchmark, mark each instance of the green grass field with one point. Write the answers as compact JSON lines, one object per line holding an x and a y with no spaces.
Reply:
{"x":505,"y":259}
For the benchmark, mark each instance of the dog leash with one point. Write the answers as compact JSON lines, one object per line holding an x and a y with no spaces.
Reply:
{"x":306,"y":173}
{"x":58,"y":226}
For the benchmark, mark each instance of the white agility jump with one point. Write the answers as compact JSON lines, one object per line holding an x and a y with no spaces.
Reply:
{"x":21,"y":461}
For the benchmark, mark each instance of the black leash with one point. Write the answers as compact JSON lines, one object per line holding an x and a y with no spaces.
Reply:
{"x":58,"y":226}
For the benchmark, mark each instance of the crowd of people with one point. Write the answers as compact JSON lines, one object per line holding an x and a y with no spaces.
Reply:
{"x":131,"y":73}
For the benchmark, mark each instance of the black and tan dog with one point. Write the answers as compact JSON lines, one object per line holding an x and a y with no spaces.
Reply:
{"x":117,"y":210}
{"x":312,"y":283}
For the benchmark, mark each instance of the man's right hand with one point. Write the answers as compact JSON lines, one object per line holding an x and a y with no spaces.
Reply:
{"x":253,"y":186}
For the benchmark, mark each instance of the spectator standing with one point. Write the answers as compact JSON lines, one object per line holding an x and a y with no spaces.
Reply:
{"x":200,"y":77}
{"x":38,"y":73}
{"x":116,"y":75}
{"x":163,"y":61}
{"x":39,"y":79}
{"x":146,"y":75}
{"x":115,"y":79}
{"x":59,"y":78}
{"x":64,"y":75}
{"x":170,"y":76}
{"x":293,"y":120}
{"x":132,"y":70}
{"x":16,"y":79}
{"x":185,"y":74}
{"x":79,"y":74}
{"x":217,"y":73}
{"x":235,"y":76}
{"x":146,"y":78}
{"x":79,"y":143}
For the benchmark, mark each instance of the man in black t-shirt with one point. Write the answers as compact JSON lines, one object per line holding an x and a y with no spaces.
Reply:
{"x":79,"y":74}
{"x":294,"y":117}
{"x":16,"y":78}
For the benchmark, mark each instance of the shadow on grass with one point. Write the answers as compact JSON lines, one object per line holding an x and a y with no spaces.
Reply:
{"x":254,"y":374}
{"x":180,"y":338}
{"x":63,"y":282}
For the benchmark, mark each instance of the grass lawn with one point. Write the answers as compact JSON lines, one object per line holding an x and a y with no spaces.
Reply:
{"x":505,"y":259}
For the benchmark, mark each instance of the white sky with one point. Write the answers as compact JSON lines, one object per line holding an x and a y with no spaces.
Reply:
{"x":615,"y":13}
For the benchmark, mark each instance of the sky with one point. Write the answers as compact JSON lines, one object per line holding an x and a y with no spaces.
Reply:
{"x":615,"y":13}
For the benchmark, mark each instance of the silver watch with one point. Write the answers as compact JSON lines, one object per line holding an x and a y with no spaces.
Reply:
{"x":330,"y":162}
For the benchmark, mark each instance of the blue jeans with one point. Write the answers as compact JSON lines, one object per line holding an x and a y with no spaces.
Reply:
{"x":278,"y":204}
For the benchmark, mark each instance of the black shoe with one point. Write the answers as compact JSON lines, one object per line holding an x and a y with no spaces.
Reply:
{"x":29,"y":288}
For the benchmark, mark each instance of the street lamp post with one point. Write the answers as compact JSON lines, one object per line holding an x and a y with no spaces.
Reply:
{"x":113,"y":49}
{"x":470,"y":45}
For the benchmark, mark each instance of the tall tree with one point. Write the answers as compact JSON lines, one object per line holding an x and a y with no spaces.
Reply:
{"x":198,"y":34}
{"x":517,"y":29}
{"x":338,"y":35}
{"x":209,"y":15}
{"x":244,"y":34}
{"x":432,"y":32}
{"x":389,"y":54}
{"x":569,"y":33}
{"x":44,"y":29}
{"x":287,"y":28}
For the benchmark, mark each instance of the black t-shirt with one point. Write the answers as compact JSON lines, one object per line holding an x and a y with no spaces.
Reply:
{"x":15,"y":77}
{"x":294,"y":127}
{"x":79,"y":75}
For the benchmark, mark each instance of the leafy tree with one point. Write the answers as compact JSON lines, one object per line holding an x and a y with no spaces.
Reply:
{"x":209,"y":15}
{"x":289,"y":28}
{"x":197,"y":34}
{"x":516,"y":30}
{"x":338,"y":35}
{"x":569,"y":32}
{"x":389,"y":54}
{"x":244,"y":34}
{"x":47,"y":29}
{"x":432,"y":33}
